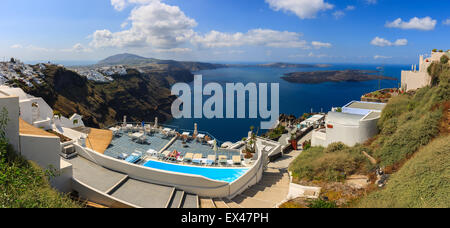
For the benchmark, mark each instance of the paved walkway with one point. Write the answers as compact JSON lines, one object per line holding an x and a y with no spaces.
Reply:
{"x":269,"y":192}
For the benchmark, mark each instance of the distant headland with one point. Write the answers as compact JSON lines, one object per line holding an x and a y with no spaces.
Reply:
{"x":317,"y":77}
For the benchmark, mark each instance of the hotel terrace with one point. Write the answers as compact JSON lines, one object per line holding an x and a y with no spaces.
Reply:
{"x":139,"y":164}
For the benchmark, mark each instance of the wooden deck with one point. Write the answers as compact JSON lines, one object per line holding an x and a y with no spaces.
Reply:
{"x":99,"y":140}
{"x":28,"y":129}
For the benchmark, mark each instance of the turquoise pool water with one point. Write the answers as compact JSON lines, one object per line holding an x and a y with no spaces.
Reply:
{"x":226,"y":175}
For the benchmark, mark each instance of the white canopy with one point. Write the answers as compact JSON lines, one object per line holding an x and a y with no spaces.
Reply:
{"x":186,"y":133}
{"x":201,"y":136}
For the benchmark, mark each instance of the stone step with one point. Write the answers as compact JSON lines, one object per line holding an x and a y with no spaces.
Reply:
{"x":271,"y":195}
{"x":260,"y":187}
{"x":220,"y":203}
{"x":190,"y":201}
{"x":270,"y":183}
{"x":176,"y":199}
{"x":231,"y":203}
{"x":207,"y":203}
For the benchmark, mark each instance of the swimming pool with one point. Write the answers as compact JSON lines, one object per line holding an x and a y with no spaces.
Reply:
{"x":219,"y":174}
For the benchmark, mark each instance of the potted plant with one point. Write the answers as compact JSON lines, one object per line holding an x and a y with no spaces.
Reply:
{"x":248,"y":156}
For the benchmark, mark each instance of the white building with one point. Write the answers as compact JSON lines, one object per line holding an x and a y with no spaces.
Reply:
{"x":31,"y":141}
{"x":314,"y":121}
{"x":355,"y":124}
{"x":418,"y":78}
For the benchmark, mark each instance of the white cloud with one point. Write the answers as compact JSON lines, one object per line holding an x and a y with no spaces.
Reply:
{"x":164,"y":28}
{"x":173,"y":50}
{"x":255,"y":37}
{"x":381,"y":42}
{"x":318,"y":44}
{"x":446,"y":22}
{"x":350,"y":8}
{"x":339,"y":14}
{"x":119,"y":5}
{"x":152,"y":24}
{"x":312,"y":55}
{"x":304,"y":9}
{"x":16,"y":46}
{"x":377,"y":57}
{"x":425,"y":24}
{"x":77,"y":48}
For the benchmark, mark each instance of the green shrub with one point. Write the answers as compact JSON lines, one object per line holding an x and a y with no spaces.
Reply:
{"x":25,"y":185}
{"x":322,"y":204}
{"x":318,"y":164}
{"x":444,"y":59}
{"x":423,"y":182}
{"x":335,"y":147}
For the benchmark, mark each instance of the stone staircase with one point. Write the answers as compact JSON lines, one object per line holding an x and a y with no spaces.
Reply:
{"x":268,"y":193}
{"x":180,"y":199}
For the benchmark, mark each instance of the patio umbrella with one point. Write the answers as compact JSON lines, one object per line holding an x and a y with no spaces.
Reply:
{"x":196,"y":130}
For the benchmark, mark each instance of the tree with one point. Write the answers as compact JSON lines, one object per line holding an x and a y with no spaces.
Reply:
{"x":3,"y":123}
{"x":12,"y":60}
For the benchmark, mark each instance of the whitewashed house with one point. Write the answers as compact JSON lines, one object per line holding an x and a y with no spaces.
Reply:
{"x":355,"y":124}
{"x":418,"y":78}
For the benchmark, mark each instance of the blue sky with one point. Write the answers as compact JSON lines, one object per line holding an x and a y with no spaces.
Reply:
{"x":311,"y":31}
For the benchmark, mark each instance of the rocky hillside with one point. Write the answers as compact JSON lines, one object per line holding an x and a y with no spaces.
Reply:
{"x":142,"y":62}
{"x":140,"y":96}
{"x":410,"y":166}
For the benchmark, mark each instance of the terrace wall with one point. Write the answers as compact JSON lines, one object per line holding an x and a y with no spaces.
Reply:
{"x":351,"y":134}
{"x":44,"y":150}
{"x":11,"y":103}
{"x":414,"y":80}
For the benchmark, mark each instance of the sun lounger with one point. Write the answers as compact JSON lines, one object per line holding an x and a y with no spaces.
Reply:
{"x":188,"y":157}
{"x":134,"y":158}
{"x":211,"y":160}
{"x":197,"y":159}
{"x":122,"y":156}
{"x":237,"y":160}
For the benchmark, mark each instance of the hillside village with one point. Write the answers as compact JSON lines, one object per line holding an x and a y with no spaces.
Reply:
{"x":17,"y":70}
{"x":101,"y":74}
